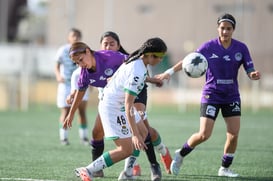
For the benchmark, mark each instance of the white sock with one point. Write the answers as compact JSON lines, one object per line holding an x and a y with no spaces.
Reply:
{"x":63,"y":133}
{"x":161,"y":148}
{"x":129,"y":165}
{"x":97,"y":165}
{"x":83,"y":133}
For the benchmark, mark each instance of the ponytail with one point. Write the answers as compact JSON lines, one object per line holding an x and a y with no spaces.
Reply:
{"x":150,"y":46}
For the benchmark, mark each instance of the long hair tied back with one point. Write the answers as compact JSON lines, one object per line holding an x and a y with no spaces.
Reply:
{"x":151,"y":45}
{"x":78,"y":48}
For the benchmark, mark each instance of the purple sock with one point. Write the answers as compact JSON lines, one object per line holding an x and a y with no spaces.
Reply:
{"x":97,"y":148}
{"x":227,"y":160}
{"x":186,"y":149}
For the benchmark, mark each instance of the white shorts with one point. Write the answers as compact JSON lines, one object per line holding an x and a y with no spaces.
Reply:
{"x":114,"y":122}
{"x":74,"y":83}
{"x":62,"y":92}
{"x":86,"y":95}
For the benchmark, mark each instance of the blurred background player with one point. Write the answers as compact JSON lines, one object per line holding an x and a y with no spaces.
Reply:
{"x":63,"y":72}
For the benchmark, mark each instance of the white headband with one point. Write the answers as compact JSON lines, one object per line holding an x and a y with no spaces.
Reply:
{"x":229,"y":20}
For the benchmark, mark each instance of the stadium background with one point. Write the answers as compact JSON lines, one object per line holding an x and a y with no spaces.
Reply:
{"x":31,"y":32}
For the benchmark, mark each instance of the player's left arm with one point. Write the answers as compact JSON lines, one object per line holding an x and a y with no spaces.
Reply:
{"x":154,"y":80}
{"x":130,"y":114}
{"x":168,"y":73}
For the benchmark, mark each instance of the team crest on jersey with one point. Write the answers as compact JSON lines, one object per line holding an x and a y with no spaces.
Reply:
{"x":108,"y":71}
{"x":124,"y":130}
{"x":238,"y":56}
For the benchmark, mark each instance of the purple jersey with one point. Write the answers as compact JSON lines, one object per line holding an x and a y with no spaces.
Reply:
{"x":107,"y":62}
{"x":223,"y":65}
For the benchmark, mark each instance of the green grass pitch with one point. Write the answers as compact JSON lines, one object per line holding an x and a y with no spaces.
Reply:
{"x":30,"y":148}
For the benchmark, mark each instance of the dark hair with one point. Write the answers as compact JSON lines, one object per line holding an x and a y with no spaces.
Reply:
{"x":227,"y":17}
{"x":77,"y":32}
{"x":78,"y":48}
{"x":116,"y":37}
{"x":153,"y":45}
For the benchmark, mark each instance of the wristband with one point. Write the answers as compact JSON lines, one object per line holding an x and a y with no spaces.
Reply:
{"x":170,"y":71}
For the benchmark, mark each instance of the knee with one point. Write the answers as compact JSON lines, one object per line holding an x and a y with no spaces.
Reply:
{"x":232,"y":137}
{"x":204,"y":137}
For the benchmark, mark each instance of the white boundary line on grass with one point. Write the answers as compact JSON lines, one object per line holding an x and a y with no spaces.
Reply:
{"x":24,"y":179}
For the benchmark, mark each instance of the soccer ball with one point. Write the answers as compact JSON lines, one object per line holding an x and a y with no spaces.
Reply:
{"x":195,"y":65}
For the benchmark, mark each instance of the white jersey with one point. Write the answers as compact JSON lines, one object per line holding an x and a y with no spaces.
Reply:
{"x":74,"y":83}
{"x":67,"y":65}
{"x":128,"y":78}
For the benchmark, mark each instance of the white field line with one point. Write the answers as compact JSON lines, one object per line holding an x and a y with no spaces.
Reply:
{"x":25,"y":179}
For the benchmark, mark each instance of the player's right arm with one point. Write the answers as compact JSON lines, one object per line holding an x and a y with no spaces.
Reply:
{"x":58,"y":76}
{"x":75,"y":104}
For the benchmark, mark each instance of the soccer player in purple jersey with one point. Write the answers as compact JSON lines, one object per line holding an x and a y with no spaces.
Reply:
{"x":225,"y":55}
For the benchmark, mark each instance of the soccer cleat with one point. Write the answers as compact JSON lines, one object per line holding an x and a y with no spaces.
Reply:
{"x":98,"y":174}
{"x":83,"y":173}
{"x":65,"y":142}
{"x":136,"y":170}
{"x":226,"y":172}
{"x":166,"y":160}
{"x":156,"y":172}
{"x":176,"y":163}
{"x":124,"y":176}
{"x":85,"y":141}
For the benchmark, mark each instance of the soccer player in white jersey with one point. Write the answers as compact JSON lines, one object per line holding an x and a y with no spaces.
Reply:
{"x":63,"y":72}
{"x":117,"y":111}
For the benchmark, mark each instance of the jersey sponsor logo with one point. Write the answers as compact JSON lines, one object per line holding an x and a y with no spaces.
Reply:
{"x":211,"y":110}
{"x":249,"y":62}
{"x":108,"y":71}
{"x":91,"y":81}
{"x":236,"y":106}
{"x":238,"y":56}
{"x":213,"y":56}
{"x":225,"y":81}
{"x":136,"y":79}
{"x":226,"y":58}
{"x":102,"y":78}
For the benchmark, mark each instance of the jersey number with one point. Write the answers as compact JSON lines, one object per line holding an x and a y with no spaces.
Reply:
{"x":121,"y":120}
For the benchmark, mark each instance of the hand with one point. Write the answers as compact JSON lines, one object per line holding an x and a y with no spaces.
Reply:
{"x":255,"y":75}
{"x":138,"y":143}
{"x":158,"y":82}
{"x":60,"y":79}
{"x":68,"y":121}
{"x":163,"y":76}
{"x":70,"y":98}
